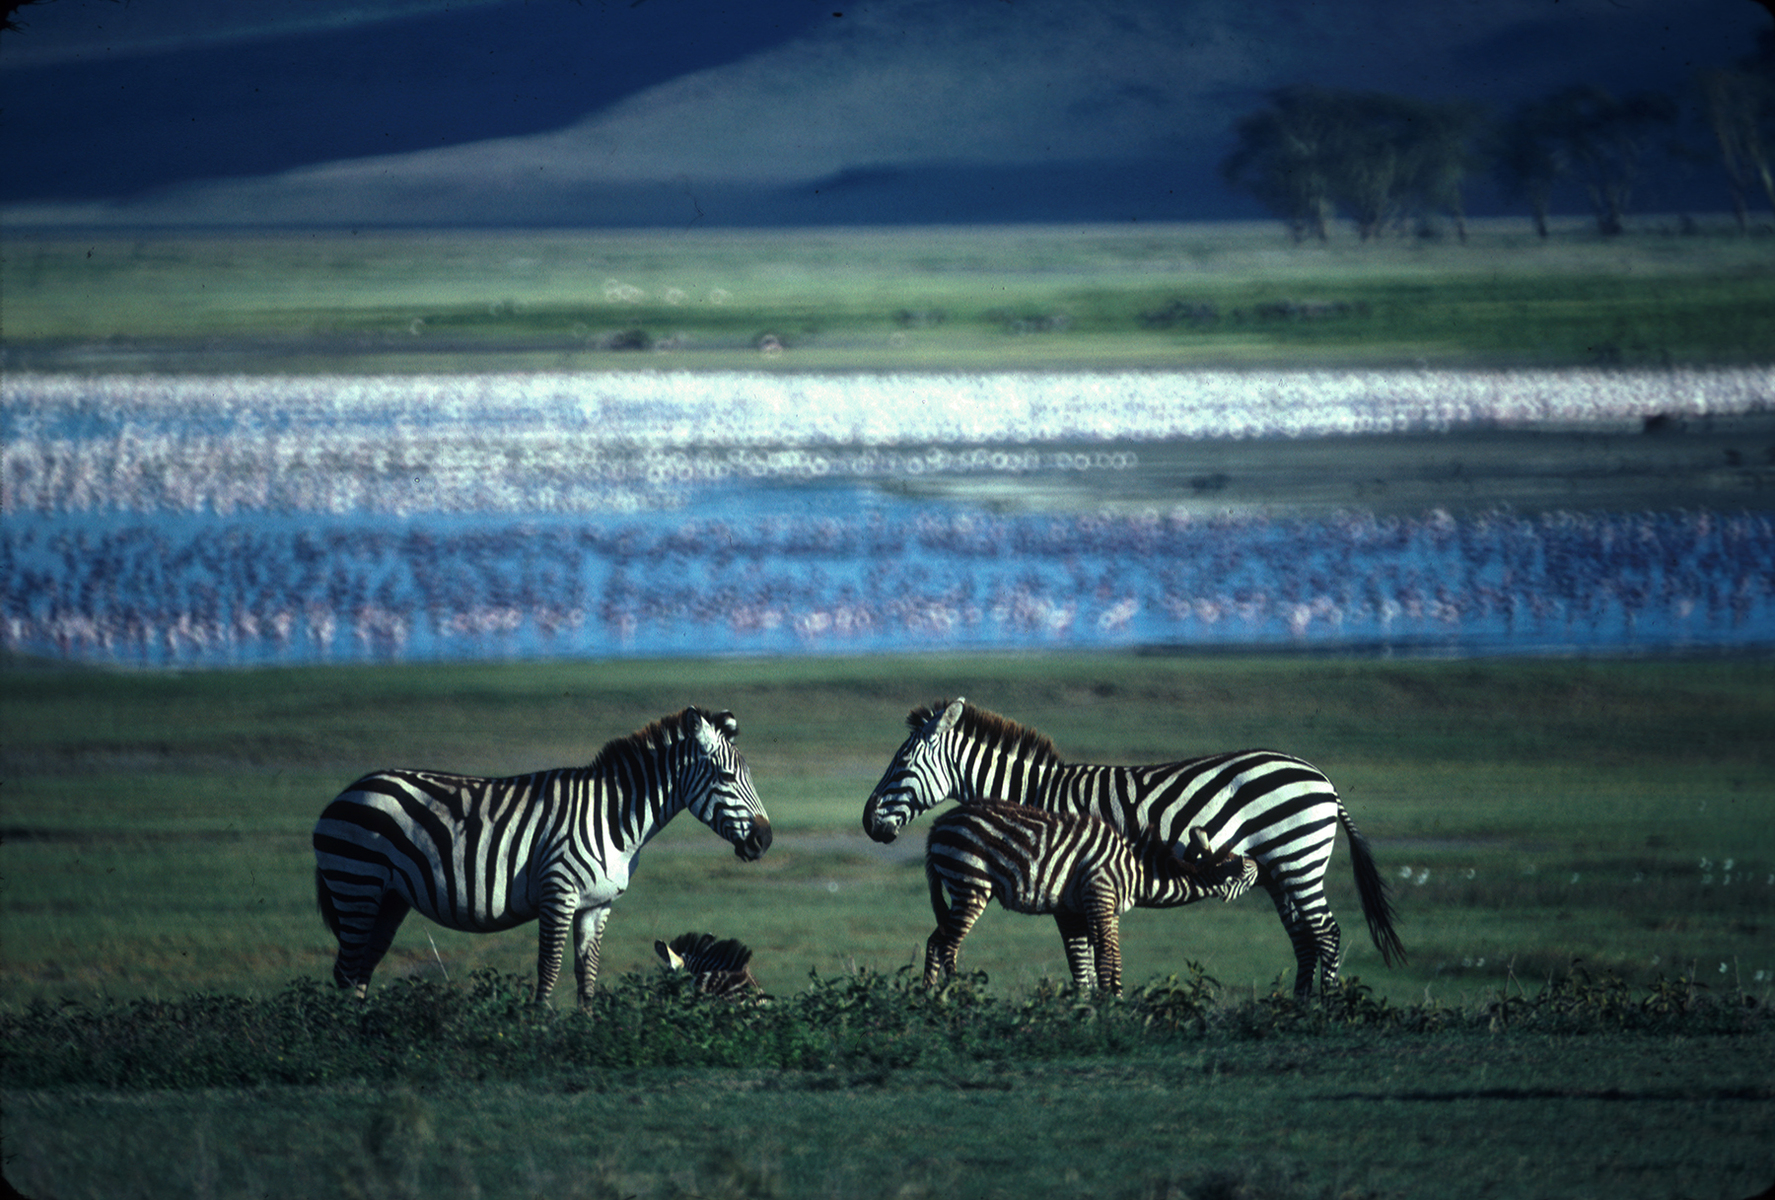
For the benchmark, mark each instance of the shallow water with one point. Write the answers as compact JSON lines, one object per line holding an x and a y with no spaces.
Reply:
{"x":241,"y":521}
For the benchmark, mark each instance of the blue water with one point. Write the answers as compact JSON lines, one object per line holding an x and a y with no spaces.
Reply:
{"x":212,"y":523}
{"x":804,"y":570}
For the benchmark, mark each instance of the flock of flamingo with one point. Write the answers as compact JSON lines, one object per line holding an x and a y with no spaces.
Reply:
{"x":236,"y":520}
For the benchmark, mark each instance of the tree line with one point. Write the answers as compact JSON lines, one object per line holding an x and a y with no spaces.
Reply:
{"x":1386,"y":161}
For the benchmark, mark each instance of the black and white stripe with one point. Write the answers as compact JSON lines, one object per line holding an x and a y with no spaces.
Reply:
{"x":1073,"y":866}
{"x":719,"y":968}
{"x":1272,"y":807}
{"x":487,"y":854}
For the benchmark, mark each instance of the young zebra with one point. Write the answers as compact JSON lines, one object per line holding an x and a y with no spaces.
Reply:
{"x":1075,"y":867}
{"x":719,"y":967}
{"x":489,"y":854}
{"x":1278,"y":810}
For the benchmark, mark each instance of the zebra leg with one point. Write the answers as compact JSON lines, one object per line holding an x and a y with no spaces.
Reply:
{"x":1106,"y":944}
{"x":943,"y":947}
{"x":554,"y":924}
{"x":1316,"y":940}
{"x":1327,"y":941}
{"x":1081,"y":956}
{"x":588,"y":934}
{"x":358,"y":958}
{"x":1306,"y":950}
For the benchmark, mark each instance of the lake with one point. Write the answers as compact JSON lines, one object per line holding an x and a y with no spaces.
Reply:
{"x":212,"y":521}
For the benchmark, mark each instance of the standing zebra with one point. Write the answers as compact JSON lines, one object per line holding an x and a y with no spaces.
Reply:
{"x":1276,"y":809}
{"x":488,"y":854}
{"x":1075,"y":867}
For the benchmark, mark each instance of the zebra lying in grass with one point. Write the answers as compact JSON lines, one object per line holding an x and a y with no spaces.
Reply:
{"x":718,"y":967}
{"x":1075,"y":867}
{"x":556,"y":847}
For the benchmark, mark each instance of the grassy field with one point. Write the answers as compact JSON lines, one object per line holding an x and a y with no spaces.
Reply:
{"x":913,"y":299}
{"x":1529,"y":814}
{"x":1355,"y":1116}
{"x":157,"y":824}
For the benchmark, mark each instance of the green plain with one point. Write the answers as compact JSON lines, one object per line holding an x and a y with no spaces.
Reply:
{"x":1529,"y":814}
{"x":916,"y":299}
{"x":1614,"y":811}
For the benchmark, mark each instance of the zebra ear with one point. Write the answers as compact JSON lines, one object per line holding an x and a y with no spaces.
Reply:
{"x":951,"y":715}
{"x":727,"y":723}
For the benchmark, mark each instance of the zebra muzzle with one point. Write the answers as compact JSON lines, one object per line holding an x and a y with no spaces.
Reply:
{"x":877,"y":829}
{"x":754,"y":844}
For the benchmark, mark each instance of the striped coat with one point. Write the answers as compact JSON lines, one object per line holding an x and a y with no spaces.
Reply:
{"x":1076,"y":868}
{"x":720,"y":968}
{"x":556,"y":846}
{"x":1271,"y":807}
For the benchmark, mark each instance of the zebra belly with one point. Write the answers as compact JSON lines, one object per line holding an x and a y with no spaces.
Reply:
{"x":369,"y":842}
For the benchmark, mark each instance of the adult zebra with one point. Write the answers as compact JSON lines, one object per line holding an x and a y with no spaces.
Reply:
{"x":1075,"y":867}
{"x":487,"y":854}
{"x":1276,"y":809}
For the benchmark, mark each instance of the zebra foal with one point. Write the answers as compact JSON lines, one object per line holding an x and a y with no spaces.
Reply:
{"x":1074,"y":867}
{"x":556,"y":846}
{"x":719,"y":967}
{"x":1273,"y":807}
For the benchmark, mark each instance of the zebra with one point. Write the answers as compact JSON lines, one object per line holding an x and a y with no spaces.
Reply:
{"x":719,"y":968}
{"x":1075,"y":867}
{"x":1277,"y":809}
{"x":487,"y":854}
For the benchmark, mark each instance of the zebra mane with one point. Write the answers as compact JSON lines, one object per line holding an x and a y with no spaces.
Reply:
{"x":667,"y":731}
{"x":1020,"y":741}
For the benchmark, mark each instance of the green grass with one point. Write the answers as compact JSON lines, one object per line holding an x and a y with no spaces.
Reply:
{"x":864,"y":1087}
{"x":156,"y":823}
{"x":915,"y":299}
{"x":158,"y":895}
{"x":1395,"y":1117}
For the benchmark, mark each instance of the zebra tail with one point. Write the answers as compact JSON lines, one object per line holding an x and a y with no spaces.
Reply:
{"x":1377,"y":905}
{"x":324,"y":899}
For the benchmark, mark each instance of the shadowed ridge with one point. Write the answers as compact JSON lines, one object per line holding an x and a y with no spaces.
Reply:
{"x":1027,"y":744}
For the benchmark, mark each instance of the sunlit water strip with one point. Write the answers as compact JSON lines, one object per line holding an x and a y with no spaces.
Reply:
{"x":237,"y":521}
{"x":583,"y":443}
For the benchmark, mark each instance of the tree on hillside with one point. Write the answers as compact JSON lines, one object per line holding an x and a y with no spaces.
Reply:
{"x":1740,"y":107}
{"x":1602,"y":142}
{"x":1443,"y":158}
{"x":1379,"y":158}
{"x":1284,"y":159}
{"x":1526,"y":157}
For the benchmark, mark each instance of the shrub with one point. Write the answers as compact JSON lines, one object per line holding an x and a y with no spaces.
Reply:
{"x":419,"y":1031}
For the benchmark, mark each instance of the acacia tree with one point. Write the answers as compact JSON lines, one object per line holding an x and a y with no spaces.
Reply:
{"x":1284,"y":159}
{"x":1379,"y":158}
{"x":1438,"y":160}
{"x":1526,"y":157}
{"x":1740,"y":106}
{"x":1603,"y":140}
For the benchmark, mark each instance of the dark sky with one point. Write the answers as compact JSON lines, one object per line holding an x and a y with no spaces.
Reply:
{"x":655,"y":112}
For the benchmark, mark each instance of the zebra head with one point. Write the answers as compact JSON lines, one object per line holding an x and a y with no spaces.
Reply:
{"x":723,"y":798}
{"x":922,"y":774}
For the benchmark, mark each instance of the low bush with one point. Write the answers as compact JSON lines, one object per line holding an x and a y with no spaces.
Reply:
{"x":419,"y":1031}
